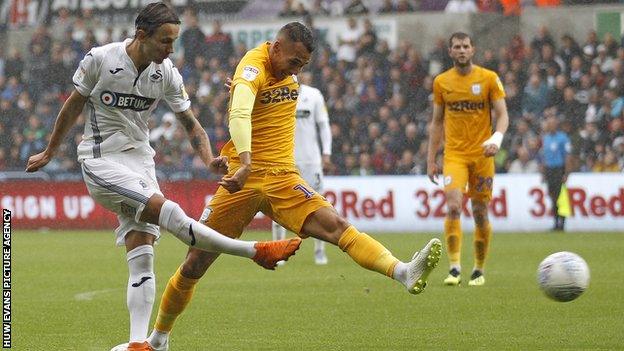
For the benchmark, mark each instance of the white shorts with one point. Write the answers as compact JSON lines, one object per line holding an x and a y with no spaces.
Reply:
{"x":313,"y":175}
{"x":123,"y":183}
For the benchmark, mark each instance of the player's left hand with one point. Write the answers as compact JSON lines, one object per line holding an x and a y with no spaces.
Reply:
{"x":228,"y":83}
{"x":237,"y":181}
{"x":492,"y":145}
{"x":490,"y":150}
{"x":219,"y":165}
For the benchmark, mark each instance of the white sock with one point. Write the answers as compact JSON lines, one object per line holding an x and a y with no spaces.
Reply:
{"x":319,"y":245}
{"x":158,"y":339}
{"x":195,"y":234}
{"x":400,"y":272}
{"x":279,"y":232}
{"x":456,"y":266}
{"x":141,"y":290}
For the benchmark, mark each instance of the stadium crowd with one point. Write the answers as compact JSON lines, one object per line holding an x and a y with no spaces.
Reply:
{"x":378,"y":98}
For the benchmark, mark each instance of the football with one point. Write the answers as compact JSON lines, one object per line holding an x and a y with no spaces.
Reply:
{"x":563,"y":276}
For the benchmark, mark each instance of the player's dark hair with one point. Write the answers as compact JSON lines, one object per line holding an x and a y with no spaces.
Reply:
{"x":459,"y":36}
{"x":155,"y":15}
{"x":299,"y":33}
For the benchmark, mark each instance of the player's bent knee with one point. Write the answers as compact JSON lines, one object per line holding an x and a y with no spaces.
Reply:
{"x":197,"y":262}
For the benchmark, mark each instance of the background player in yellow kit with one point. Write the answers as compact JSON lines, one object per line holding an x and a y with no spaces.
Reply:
{"x":263,"y":177}
{"x":464,"y":97}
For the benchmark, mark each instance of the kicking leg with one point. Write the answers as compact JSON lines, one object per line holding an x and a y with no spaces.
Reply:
{"x":326,"y":224}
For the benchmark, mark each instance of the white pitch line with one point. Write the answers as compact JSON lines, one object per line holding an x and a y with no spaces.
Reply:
{"x":88,"y":296}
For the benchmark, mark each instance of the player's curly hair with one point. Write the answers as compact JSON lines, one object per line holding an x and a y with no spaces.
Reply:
{"x":299,"y":33}
{"x":155,"y":15}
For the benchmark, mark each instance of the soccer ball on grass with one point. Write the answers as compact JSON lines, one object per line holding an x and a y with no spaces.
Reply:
{"x":563,"y":276}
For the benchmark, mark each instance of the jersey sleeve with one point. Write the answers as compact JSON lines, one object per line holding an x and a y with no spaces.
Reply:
{"x":175,"y":93}
{"x":250,"y":72}
{"x":87,"y":74}
{"x":438,"y":99}
{"x":497,"y":91}
{"x":320,"y":110}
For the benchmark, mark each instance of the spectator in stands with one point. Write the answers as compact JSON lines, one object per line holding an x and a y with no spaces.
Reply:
{"x":367,"y":42}
{"x":591,"y":43}
{"x":607,"y":163}
{"x":319,"y":8}
{"x":489,"y":6}
{"x":358,"y":93}
{"x":404,"y":6}
{"x":387,"y":7}
{"x":365,"y":166}
{"x":288,"y":9}
{"x":461,"y":6}
{"x":219,"y":44}
{"x":604,"y":61}
{"x":193,"y":39}
{"x":542,"y":38}
{"x":571,"y":110}
{"x":406,"y":163}
{"x":523,"y":164}
{"x":165,"y":130}
{"x":535,"y":94}
{"x":569,"y":49}
{"x":347,"y":42}
{"x":356,"y":7}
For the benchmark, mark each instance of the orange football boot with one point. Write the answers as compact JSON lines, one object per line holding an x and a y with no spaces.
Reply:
{"x":268,"y":253}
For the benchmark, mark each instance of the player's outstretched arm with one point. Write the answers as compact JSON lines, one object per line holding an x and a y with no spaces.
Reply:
{"x":492,"y":145}
{"x":64,"y":121}
{"x":201,"y":143}
{"x":240,"y":129}
{"x":436,"y":132}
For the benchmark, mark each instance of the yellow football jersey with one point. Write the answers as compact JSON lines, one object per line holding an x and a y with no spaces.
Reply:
{"x":273,"y":115}
{"x":467,"y":102}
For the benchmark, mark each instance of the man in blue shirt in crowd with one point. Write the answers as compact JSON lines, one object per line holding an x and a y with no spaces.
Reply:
{"x":556,"y":164}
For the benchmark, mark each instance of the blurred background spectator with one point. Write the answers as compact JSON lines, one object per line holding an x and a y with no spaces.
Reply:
{"x":379,"y":99}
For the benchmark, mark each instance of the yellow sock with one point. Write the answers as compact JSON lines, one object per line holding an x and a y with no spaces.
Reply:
{"x":482,"y":244}
{"x":453,"y":236}
{"x":367,"y":252}
{"x":177,"y":295}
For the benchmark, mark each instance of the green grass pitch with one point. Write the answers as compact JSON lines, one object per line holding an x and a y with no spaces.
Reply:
{"x":69,"y":294}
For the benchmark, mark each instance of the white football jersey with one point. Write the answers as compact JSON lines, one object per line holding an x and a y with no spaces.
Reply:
{"x":121,"y":101}
{"x":311,"y":110}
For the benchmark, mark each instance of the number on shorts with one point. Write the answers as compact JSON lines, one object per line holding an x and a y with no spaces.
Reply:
{"x":307,"y":193}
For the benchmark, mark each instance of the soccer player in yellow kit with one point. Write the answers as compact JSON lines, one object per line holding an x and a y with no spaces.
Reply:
{"x":263,"y":177}
{"x":463,"y":98}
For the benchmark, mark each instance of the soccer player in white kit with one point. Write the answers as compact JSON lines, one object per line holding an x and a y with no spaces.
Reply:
{"x":311,"y":112}
{"x":119,"y":85}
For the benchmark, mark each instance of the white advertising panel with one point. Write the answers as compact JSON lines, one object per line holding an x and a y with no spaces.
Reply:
{"x":519,"y":203}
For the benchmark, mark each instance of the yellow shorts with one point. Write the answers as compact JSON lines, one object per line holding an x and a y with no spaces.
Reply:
{"x":472,"y":175}
{"x":284,"y":197}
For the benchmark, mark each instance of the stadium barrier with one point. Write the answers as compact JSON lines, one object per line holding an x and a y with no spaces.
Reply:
{"x":377,"y":204}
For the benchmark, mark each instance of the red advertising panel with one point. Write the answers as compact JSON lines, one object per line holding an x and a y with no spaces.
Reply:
{"x":67,"y":205}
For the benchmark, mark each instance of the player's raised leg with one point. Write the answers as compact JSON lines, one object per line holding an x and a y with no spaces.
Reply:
{"x":326,"y":224}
